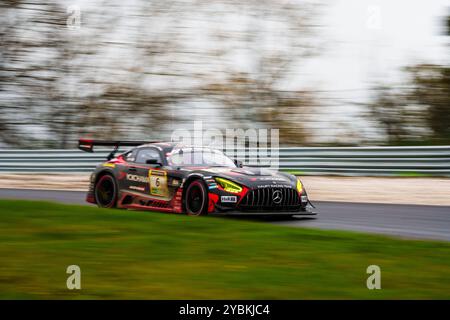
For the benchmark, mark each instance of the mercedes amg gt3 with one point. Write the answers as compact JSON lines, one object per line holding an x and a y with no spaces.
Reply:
{"x":160,"y":176}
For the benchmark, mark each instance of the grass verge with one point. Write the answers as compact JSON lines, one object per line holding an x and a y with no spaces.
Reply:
{"x":141,"y":255}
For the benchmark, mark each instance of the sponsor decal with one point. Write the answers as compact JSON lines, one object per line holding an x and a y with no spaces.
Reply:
{"x":110,"y":165}
{"x":137,"y":188}
{"x":136,"y":178}
{"x":274,"y":186}
{"x":229,"y":199}
{"x":158,"y":183}
{"x":304,"y":198}
{"x":271,"y":179}
{"x":210,"y":182}
{"x":175,"y":183}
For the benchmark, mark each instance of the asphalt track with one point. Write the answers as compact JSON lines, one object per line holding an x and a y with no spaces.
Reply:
{"x":407,"y":221}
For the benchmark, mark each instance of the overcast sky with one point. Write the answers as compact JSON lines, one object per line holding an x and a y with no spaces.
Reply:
{"x":365,"y":42}
{"x":369,"y":41}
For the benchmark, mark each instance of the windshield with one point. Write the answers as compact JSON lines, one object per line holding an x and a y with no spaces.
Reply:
{"x":199,"y":157}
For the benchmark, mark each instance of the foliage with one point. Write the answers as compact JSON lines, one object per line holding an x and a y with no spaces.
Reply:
{"x":418,"y":113}
{"x":137,"y":71}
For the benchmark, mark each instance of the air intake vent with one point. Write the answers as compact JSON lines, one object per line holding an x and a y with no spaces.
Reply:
{"x":271,"y":199}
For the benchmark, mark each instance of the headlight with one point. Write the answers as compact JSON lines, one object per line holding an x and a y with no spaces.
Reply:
{"x":228,"y":186}
{"x":299,"y":186}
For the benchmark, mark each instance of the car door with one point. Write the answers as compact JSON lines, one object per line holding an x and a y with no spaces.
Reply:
{"x":151,"y":179}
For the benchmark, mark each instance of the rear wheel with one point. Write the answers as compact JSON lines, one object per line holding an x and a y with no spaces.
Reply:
{"x":196,"y":199}
{"x":105,"y":192}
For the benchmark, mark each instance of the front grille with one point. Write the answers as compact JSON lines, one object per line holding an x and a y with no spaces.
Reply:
{"x":266,"y":199}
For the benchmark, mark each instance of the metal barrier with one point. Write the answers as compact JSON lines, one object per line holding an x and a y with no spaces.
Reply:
{"x":385,"y":161}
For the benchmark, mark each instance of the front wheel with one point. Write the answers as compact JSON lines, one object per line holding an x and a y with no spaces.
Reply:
{"x":196,"y":199}
{"x":105,"y":192}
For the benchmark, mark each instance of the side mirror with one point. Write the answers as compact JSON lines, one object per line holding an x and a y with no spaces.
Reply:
{"x":238,"y":163}
{"x":153,"y":161}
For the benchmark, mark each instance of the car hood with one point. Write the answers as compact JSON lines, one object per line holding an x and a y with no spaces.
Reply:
{"x":254,"y":177}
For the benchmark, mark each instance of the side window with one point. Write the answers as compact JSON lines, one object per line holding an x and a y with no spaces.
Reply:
{"x":147,"y":153}
{"x":130,"y":156}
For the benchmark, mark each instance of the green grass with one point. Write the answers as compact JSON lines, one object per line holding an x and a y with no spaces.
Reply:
{"x":141,"y":255}
{"x":413,"y":174}
{"x":296,"y":172}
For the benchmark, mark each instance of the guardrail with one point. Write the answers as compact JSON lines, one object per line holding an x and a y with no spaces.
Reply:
{"x":386,"y":161}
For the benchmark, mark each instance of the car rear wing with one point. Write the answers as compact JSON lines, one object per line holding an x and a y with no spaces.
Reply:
{"x":88,"y":145}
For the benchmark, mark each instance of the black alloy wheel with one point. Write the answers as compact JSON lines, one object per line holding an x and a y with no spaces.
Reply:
{"x":106,"y":192}
{"x":196,"y":199}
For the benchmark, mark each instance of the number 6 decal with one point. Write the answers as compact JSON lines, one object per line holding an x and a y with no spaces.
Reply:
{"x":158,"y":183}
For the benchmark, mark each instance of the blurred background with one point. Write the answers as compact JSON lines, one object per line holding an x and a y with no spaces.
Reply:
{"x":326,"y":73}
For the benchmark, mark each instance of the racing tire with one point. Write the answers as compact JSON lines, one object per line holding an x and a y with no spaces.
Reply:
{"x":196,"y":199}
{"x":105,"y":192}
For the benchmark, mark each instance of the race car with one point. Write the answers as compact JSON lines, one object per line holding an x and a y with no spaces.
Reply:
{"x":168,"y":177}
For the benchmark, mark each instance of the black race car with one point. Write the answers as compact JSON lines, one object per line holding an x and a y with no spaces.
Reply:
{"x":168,"y":177}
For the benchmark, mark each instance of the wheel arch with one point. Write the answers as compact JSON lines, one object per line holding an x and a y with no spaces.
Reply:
{"x":101,"y":173}
{"x":187,"y":182}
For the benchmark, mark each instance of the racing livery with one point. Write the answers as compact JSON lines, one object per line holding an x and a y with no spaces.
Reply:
{"x":161,"y":176}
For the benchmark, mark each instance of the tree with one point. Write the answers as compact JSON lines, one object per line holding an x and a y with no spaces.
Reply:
{"x":120,"y":74}
{"x":280,"y":36}
{"x":56,"y":83}
{"x":432,"y":92}
{"x":418,"y":112}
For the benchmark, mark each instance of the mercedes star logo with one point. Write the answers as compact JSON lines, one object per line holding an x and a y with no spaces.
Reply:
{"x":277,"y":196}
